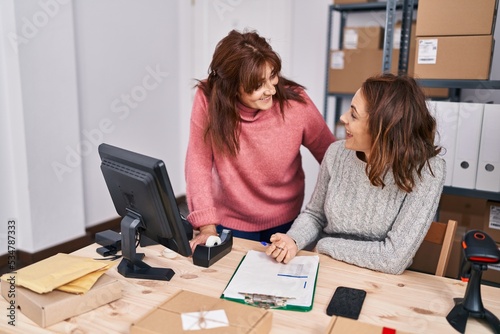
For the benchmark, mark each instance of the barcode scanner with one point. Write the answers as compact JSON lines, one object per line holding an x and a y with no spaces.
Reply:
{"x":479,"y":250}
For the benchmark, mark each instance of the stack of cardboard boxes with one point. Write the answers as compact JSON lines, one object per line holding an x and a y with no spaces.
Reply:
{"x":361,"y":56}
{"x":455,"y":39}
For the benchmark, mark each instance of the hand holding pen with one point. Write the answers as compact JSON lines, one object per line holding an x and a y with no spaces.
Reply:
{"x":283,"y":248}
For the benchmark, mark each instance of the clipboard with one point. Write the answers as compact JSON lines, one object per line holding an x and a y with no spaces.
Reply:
{"x":261,"y":281}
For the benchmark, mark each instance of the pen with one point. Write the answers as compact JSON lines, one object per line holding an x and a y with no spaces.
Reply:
{"x":263,"y":243}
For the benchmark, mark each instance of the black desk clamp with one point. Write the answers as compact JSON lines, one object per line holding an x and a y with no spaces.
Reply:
{"x":205,"y":256}
{"x":479,"y":251}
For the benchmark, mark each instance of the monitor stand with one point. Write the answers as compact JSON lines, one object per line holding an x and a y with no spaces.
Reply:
{"x":132,"y":265}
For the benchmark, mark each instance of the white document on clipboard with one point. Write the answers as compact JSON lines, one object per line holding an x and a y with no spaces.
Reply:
{"x":259,"y":274}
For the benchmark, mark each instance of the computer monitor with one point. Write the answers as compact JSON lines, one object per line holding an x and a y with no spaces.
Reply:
{"x":142,"y":195}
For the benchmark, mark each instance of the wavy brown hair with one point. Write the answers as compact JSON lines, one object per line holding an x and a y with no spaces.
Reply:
{"x":401,"y":127}
{"x":240,"y":60}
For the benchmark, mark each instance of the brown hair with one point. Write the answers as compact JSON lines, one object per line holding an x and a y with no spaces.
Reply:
{"x":401,"y":127}
{"x":240,"y":60}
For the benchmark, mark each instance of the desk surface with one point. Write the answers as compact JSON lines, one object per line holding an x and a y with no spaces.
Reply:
{"x":411,"y":302}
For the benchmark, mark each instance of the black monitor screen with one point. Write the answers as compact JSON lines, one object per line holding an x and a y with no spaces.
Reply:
{"x":142,"y":195}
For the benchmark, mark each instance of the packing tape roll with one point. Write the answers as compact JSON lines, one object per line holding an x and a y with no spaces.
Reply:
{"x":213,"y":241}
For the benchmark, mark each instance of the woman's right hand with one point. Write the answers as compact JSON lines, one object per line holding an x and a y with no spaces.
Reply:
{"x":283,"y":248}
{"x":201,"y":238}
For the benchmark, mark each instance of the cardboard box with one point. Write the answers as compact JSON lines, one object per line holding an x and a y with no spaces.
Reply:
{"x":340,"y":325}
{"x":469,"y":213}
{"x":350,"y":68}
{"x":369,"y":37}
{"x":50,"y":308}
{"x":241,"y":318}
{"x":426,"y":259}
{"x":455,"y":17}
{"x":454,"y":57}
{"x":492,"y":220}
{"x":430,"y":92}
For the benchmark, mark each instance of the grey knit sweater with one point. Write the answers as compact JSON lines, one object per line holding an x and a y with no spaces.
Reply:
{"x":356,"y":222}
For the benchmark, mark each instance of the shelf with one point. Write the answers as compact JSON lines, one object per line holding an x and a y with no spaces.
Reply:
{"x":465,"y":84}
{"x":488,"y":195}
{"x":363,"y":7}
{"x":341,"y":95}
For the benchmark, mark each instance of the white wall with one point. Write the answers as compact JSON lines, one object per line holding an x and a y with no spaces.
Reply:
{"x":41,"y":115}
{"x":11,"y":130}
{"x":79,"y":72}
{"x":129,"y":87}
{"x":308,"y":61}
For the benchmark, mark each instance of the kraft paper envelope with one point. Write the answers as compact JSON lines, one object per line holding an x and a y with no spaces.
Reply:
{"x":85,"y":283}
{"x":55,"y":271}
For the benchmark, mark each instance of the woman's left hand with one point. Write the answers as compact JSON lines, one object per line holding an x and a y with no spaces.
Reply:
{"x":283,"y":248}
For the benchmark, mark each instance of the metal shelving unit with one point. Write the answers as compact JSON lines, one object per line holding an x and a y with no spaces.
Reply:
{"x":407,"y":7}
{"x":488,"y":195}
{"x":459,"y":84}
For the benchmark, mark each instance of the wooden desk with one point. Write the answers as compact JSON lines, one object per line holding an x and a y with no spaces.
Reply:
{"x":411,"y":302}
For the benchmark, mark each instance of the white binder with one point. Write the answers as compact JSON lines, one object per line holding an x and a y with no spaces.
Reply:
{"x":470,"y":121}
{"x":488,"y":172}
{"x":446,"y":114}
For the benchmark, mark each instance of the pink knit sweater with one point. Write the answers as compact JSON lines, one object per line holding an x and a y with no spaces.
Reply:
{"x":263,"y":186}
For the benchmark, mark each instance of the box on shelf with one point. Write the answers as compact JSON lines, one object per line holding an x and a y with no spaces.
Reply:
{"x":369,"y":37}
{"x":492,"y":220}
{"x":455,"y":17}
{"x":454,"y":57}
{"x":430,"y":92}
{"x":184,"y":305}
{"x":55,"y":306}
{"x":341,"y":325}
{"x":350,"y":68}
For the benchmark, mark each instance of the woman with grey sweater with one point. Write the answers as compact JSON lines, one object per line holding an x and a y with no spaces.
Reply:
{"x":378,"y":190}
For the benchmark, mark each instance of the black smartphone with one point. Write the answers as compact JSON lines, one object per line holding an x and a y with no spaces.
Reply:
{"x":346,"y":302}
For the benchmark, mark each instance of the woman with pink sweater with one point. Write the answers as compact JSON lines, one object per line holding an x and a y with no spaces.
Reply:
{"x":248,"y":123}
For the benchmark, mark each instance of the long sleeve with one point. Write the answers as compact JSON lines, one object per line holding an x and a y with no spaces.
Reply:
{"x":375,"y":228}
{"x":198,"y":167}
